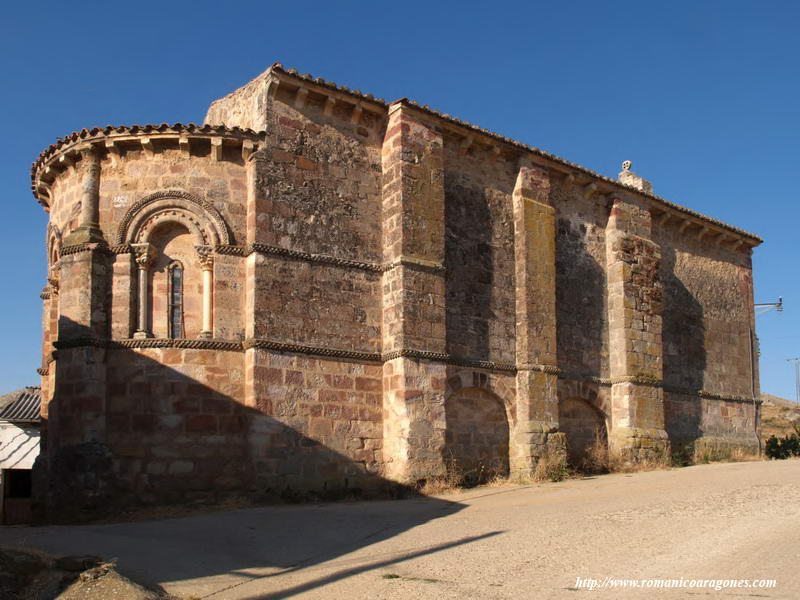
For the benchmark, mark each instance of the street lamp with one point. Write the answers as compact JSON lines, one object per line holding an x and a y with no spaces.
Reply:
{"x":768,"y":306}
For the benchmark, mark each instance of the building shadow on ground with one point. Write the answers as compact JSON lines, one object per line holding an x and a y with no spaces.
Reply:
{"x":132,"y":429}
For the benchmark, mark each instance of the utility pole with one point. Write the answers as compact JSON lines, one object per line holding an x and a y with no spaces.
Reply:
{"x":796,"y":361}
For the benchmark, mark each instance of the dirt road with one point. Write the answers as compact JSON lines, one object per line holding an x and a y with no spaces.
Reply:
{"x":725,"y":521}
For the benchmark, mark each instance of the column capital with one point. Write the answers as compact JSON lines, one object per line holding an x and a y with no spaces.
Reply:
{"x":143,"y":254}
{"x":205,"y":255}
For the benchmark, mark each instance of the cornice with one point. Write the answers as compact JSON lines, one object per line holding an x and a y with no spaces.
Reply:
{"x":230,"y":250}
{"x":131,"y":343}
{"x":409,"y":262}
{"x":712,"y":395}
{"x":100,"y":247}
{"x":356,"y":95}
{"x":461,"y":127}
{"x":270,"y":250}
{"x":378,"y":358}
{"x":263,"y":344}
{"x":468,"y":130}
{"x":549,"y":369}
{"x":649,"y":381}
{"x":63,"y":153}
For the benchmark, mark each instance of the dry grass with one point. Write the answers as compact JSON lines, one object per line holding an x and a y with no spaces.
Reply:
{"x":601,"y":459}
{"x":779,"y":417}
{"x":551,"y":468}
{"x":455,"y":479}
{"x":451,"y":482}
{"x":499,"y":481}
{"x":721,"y":450}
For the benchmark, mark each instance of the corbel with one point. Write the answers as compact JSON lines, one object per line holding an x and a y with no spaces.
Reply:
{"x":300,"y":98}
{"x":664,"y":219}
{"x":183,"y":144}
{"x":43,"y":188}
{"x":496,"y":151}
{"x":356,"y":114}
{"x":147,"y":146}
{"x":702,"y":233}
{"x":465,"y":145}
{"x":684,"y":225}
{"x":216,"y":148}
{"x":721,"y":239}
{"x":273,"y":83}
{"x":569,"y":178}
{"x":52,"y":282}
{"x":65,"y":161}
{"x":736,"y":245}
{"x":72,"y":157}
{"x":589,"y":189}
{"x":113,"y":152}
{"x":330,"y":102}
{"x":248,"y":147}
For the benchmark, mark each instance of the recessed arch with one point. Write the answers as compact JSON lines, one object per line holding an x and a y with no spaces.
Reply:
{"x":477,"y":436}
{"x":53,"y":243}
{"x":586,"y":429}
{"x":201,"y":219}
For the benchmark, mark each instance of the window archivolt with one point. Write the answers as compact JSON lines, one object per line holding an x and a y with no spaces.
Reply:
{"x":201,"y":219}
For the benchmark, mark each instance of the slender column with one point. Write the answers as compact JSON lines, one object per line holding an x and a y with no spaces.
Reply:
{"x":90,"y":194}
{"x":88,"y":230}
{"x":144,"y":256}
{"x":207,"y":265}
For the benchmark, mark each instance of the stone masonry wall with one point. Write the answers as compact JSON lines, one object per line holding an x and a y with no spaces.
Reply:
{"x":317,"y":304}
{"x":176,"y":425}
{"x":708,"y":316}
{"x":139,"y":173}
{"x":479,"y":249}
{"x":581,"y":294}
{"x":316,"y":423}
{"x":322,"y":179}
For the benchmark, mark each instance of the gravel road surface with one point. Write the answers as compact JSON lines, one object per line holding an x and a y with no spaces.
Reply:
{"x":738,"y":521}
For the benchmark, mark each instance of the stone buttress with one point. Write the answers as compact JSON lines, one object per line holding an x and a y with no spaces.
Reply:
{"x":413,"y":298}
{"x":634,"y":326}
{"x":536,"y":419}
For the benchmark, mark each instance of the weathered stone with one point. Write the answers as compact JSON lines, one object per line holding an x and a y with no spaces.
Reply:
{"x":364,"y":292}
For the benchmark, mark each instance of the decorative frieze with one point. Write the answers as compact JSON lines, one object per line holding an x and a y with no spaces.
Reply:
{"x":271,"y":250}
{"x":262,"y":344}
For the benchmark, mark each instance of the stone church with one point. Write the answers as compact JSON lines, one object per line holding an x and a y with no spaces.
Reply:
{"x":318,"y":290}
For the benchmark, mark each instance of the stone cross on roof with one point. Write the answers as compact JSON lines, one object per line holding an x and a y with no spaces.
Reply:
{"x":628,"y":177}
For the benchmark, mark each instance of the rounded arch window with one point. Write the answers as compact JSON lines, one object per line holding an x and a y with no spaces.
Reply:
{"x":175,"y":276}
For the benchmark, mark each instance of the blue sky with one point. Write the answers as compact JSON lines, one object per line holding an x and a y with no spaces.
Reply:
{"x":702,"y":96}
